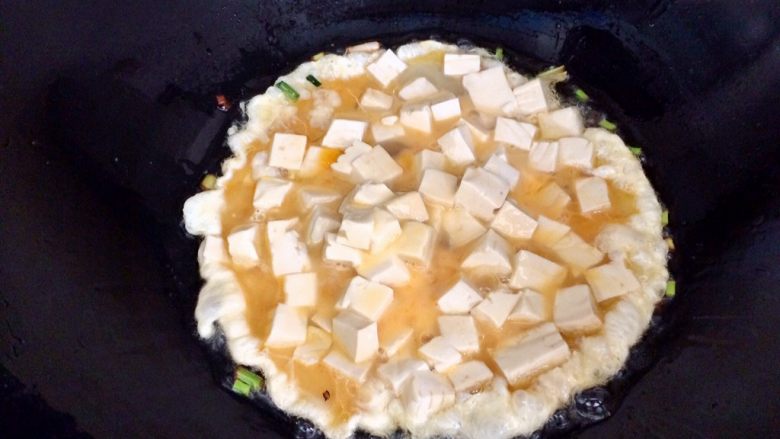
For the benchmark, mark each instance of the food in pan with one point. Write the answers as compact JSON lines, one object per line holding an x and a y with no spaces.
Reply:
{"x":424,"y":239}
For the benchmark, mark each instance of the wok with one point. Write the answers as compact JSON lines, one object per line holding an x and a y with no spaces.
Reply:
{"x":109,"y":122}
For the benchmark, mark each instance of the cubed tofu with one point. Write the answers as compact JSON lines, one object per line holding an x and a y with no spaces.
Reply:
{"x":356,"y":229}
{"x":513,"y":223}
{"x":549,"y":231}
{"x":343,"y":165}
{"x":343,"y":133}
{"x":518,"y":134}
{"x":573,"y":250}
{"x":611,"y":280}
{"x":212,"y":255}
{"x":565,"y":122}
{"x":479,"y":132}
{"x":425,"y":393}
{"x":386,"y":68}
{"x":530,"y":308}
{"x":552,"y":198}
{"x":480,"y":193}
{"x":459,"y":299}
{"x":457,"y":146}
{"x":469,"y":375}
{"x":417,"y":117}
{"x":419,"y":88}
{"x":288,"y":328}
{"x":300,"y":289}
{"x":440,"y":354}
{"x":460,"y":228}
{"x":355,"y":285}
{"x":321,"y":223}
{"x":576,"y":152}
{"x":533,"y":97}
{"x":376,"y":166}
{"x":310,"y":197}
{"x":408,"y":206}
{"x":460,"y":332}
{"x":276,"y":228}
{"x":536,"y":272}
{"x":498,"y":166}
{"x":386,"y":133}
{"x":390,"y":345}
{"x":539,"y":349}
{"x":340,"y":363}
{"x":317,"y":344}
{"x":371,"y":194}
{"x":317,"y":160}
{"x":287,"y":151}
{"x":416,"y":243}
{"x":335,"y":252}
{"x":543,"y":156}
{"x":323,"y":322}
{"x":592,"y":194}
{"x":367,"y":298}
{"x":389,"y":120}
{"x":261,"y":168}
{"x":438,"y":187}
{"x":446,"y":109}
{"x":289,"y":255}
{"x":356,"y":335}
{"x":490,"y":255}
{"x":396,"y":371}
{"x":386,"y":230}
{"x":496,"y":307}
{"x":459,"y":64}
{"x":270,"y":193}
{"x":375,"y":100}
{"x":575,"y":310}
{"x":242,"y":247}
{"x":386,"y":268}
{"x":428,"y":159}
{"x":489,"y":91}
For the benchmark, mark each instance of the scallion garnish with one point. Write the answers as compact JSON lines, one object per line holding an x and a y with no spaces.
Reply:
{"x":318,"y":56}
{"x":637,"y":151}
{"x":500,"y":53}
{"x":607,"y":125}
{"x":253,"y":380}
{"x":581,"y":95}
{"x":313,"y":80}
{"x":288,"y":90}
{"x":241,"y":387}
{"x":665,"y":217}
{"x":209,"y":181}
{"x":671,"y":288}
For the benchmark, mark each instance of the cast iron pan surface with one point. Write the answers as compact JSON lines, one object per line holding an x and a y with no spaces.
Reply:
{"x":109,"y":122}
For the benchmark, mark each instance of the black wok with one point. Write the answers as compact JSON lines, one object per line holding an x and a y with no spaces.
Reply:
{"x":109,"y":122}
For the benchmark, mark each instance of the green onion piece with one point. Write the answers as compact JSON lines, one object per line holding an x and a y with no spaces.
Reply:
{"x":241,"y":388}
{"x":554,"y":74}
{"x":637,"y":151}
{"x":664,"y":217}
{"x":500,"y":53}
{"x":318,"y":56}
{"x":209,"y":181}
{"x":607,"y":125}
{"x":314,"y":80}
{"x":581,"y":95}
{"x":288,"y":90}
{"x":253,"y":380}
{"x":671,"y":288}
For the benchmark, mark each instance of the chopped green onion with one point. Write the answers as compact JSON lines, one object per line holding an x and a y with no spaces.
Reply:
{"x":313,"y":80}
{"x":288,"y":90}
{"x":209,"y":181}
{"x":500,"y":53}
{"x":671,"y":288}
{"x":665,"y":217}
{"x":253,"y":380}
{"x":607,"y":125}
{"x":554,"y":74}
{"x":637,"y":151}
{"x":581,"y":95}
{"x":318,"y":56}
{"x":241,"y":388}
{"x":670,"y":243}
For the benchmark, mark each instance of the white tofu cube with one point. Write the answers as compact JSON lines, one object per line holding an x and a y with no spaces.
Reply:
{"x":489,"y":91}
{"x":575,"y":310}
{"x":356,"y":335}
{"x":276,"y":228}
{"x":436,"y":216}
{"x":513,"y":223}
{"x":343,"y":133}
{"x":457,"y":146}
{"x":321,"y":223}
{"x":496,"y":307}
{"x":323,"y":322}
{"x":312,"y":196}
{"x":317,"y":160}
{"x":212,"y":255}
{"x":592,"y":194}
{"x":375,"y":100}
{"x":540,"y":349}
{"x":241,"y":245}
{"x":289,"y":255}
{"x":533,"y":97}
{"x":287,"y":151}
{"x":459,"y":299}
{"x":300,"y":289}
{"x":543,"y":156}
{"x":416,"y":243}
{"x":356,"y":229}
{"x":438,"y":187}
{"x":419,"y":88}
{"x":417,"y":117}
{"x":386,"y":230}
{"x":396,"y":371}
{"x":460,"y":228}
{"x":376,"y":166}
{"x":446,"y":109}
{"x":355,"y":285}
{"x":611,"y":280}
{"x":261,"y":168}
{"x":343,"y":165}
{"x":530,"y":308}
{"x":367,"y":298}
{"x":382,"y":133}
{"x":565,"y":122}
{"x":371,"y":194}
{"x":480,"y":193}
{"x":536,"y":272}
{"x":491,"y":255}
{"x":518,"y":134}
{"x":317,"y":345}
{"x":386,"y":268}
{"x":469,"y":375}
{"x":390,"y":345}
{"x":408,"y":206}
{"x":346,"y":367}
{"x":386,"y":68}
{"x":428,"y":159}
{"x":576,"y":152}
{"x":270,"y":193}
{"x":459,"y":64}
{"x":498,"y":166}
{"x":549,"y":231}
{"x":574,"y":251}
{"x":288,"y":328}
{"x":479,"y":132}
{"x":389,"y":120}
{"x":424,"y":394}
{"x":335,"y":252}
{"x":460,"y":332}
{"x":552,"y":198}
{"x":440,"y":354}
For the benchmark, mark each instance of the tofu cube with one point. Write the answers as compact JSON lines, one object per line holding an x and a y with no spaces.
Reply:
{"x":312,"y":196}
{"x":356,"y":335}
{"x":552,"y":198}
{"x":323,"y":322}
{"x":321,"y":223}
{"x":260,"y":167}
{"x":386,"y":230}
{"x":357,"y":228}
{"x":574,"y":251}
{"x":335,"y":252}
{"x":212,"y":255}
{"x":343,"y":165}
{"x":530,"y":308}
{"x":489,"y":91}
{"x":416,"y":243}
{"x":499,"y":167}
{"x":367,"y":298}
{"x":241,"y":245}
{"x":375,"y":100}
{"x":389,"y":120}
{"x":575,"y":310}
{"x":533,"y":97}
{"x":496,"y":307}
{"x":386,"y":268}
{"x":543,"y":156}
{"x":540,"y":349}
{"x":419,"y":88}
{"x":343,"y":133}
{"x":288,"y":328}
{"x":576,"y":152}
{"x":459,"y":299}
{"x":513,"y":223}
{"x":382,"y":133}
{"x":428,"y":159}
{"x":440,"y":354}
{"x":287,"y":151}
{"x":417,"y":117}
{"x":438,"y":187}
{"x":300,"y":289}
{"x":390,"y":345}
{"x":289,"y":255}
{"x":457,"y":146}
{"x":446,"y":109}
{"x":491,"y":255}
{"x":536,"y":272}
{"x":376,"y":166}
{"x":386,"y":68}
{"x":518,"y":134}
{"x":408,"y":206}
{"x":425,"y":393}
{"x":337,"y":361}
{"x":371,"y":194}
{"x":396,"y":371}
{"x":276,"y":228}
{"x":469,"y":375}
{"x":592,"y":194}
{"x":459,"y":64}
{"x":460,"y":228}
{"x":479,"y":132}
{"x":565,"y":122}
{"x":270,"y":193}
{"x":317,"y":160}
{"x":480,"y":193}
{"x":611,"y":280}
{"x":460,"y":332}
{"x":317,"y":344}
{"x":549,"y":231}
